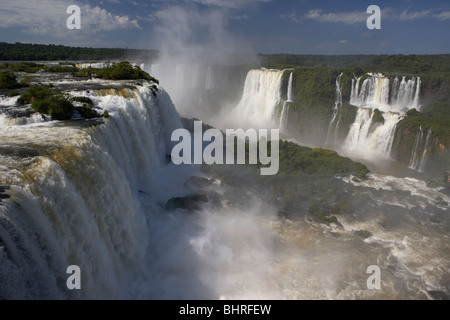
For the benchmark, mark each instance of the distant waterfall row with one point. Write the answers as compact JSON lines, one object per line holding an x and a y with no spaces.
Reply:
{"x":377,"y":92}
{"x":381,"y":105}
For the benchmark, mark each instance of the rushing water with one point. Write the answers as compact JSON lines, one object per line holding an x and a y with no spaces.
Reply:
{"x":93,"y":194}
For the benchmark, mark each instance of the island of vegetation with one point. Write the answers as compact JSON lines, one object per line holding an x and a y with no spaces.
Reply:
{"x":54,"y":103}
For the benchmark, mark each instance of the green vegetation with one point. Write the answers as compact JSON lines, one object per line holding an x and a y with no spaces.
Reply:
{"x":87,"y":112}
{"x":123,"y":71}
{"x":403,"y":64}
{"x":48,"y":101}
{"x":117,"y":71}
{"x":13,"y":94}
{"x":377,"y":117}
{"x":57,"y":107}
{"x":435,"y":117}
{"x":314,"y":90}
{"x":83,"y":100}
{"x":305,"y":184}
{"x":8,"y":80}
{"x":35,"y":93}
{"x":31,"y":67}
{"x":35,"y":52}
{"x":297,"y":160}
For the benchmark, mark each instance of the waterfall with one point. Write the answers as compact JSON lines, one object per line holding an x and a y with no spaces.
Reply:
{"x":334,"y":123}
{"x":369,"y":139}
{"x":425,"y":151}
{"x":261,"y":96}
{"x":414,"y":161}
{"x":74,"y":197}
{"x":284,"y":116}
{"x":286,"y":106}
{"x":376,"y":93}
{"x":391,"y":99}
{"x":289,"y":90}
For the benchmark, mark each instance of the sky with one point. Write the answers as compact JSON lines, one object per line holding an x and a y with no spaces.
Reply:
{"x":241,"y":26}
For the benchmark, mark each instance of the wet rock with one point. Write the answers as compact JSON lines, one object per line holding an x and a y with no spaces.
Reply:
{"x":3,"y":194}
{"x":363,"y":234}
{"x":197,"y":182}
{"x":190,"y":202}
{"x":438,"y":295}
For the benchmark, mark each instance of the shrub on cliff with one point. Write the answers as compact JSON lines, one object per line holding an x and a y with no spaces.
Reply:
{"x":120,"y":71}
{"x":8,"y":81}
{"x":48,"y":101}
{"x":57,"y":107}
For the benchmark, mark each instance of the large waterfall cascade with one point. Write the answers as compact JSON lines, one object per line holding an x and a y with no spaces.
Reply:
{"x":392,"y":100}
{"x":262,"y":94}
{"x":73,"y":196}
{"x":261,"y":97}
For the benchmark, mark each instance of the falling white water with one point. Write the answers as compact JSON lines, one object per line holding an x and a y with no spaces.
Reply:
{"x":74,"y":197}
{"x":286,"y":106}
{"x":414,"y":161}
{"x":261,"y":96}
{"x":334,"y":123}
{"x":371,"y":140}
{"x":284,"y":116}
{"x":425,"y":151}
{"x":375,"y":93}
{"x":289,"y":90}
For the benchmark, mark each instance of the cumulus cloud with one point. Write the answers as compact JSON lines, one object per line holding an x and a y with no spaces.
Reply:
{"x":48,"y":17}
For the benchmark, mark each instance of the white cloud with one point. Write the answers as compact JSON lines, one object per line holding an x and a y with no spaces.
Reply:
{"x":444,"y":15}
{"x":405,"y":15}
{"x":343,"y":41}
{"x":48,"y":17}
{"x":349,"y":18}
{"x":352,"y":18}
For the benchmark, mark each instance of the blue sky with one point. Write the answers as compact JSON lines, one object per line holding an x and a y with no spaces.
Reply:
{"x":257,"y":26}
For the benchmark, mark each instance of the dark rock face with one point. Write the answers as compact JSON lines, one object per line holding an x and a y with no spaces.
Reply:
{"x":3,"y":194}
{"x":190,"y":202}
{"x":438,"y":295}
